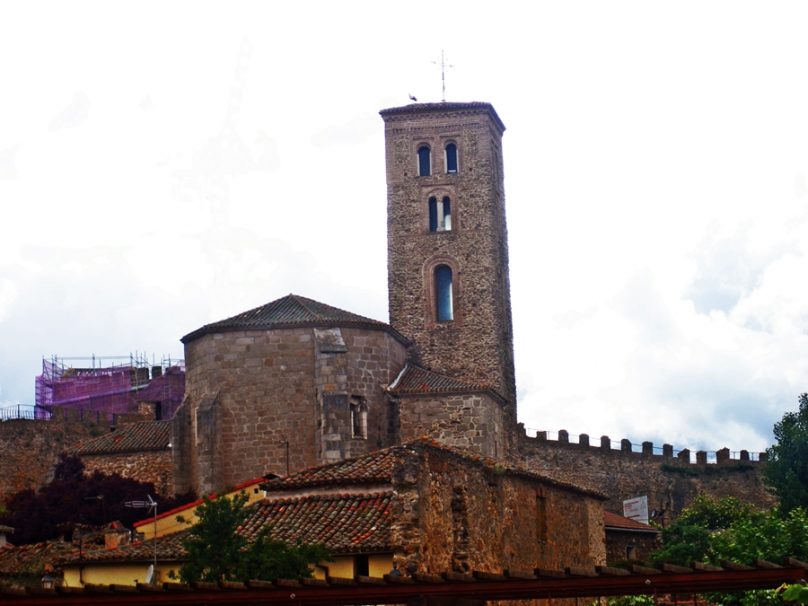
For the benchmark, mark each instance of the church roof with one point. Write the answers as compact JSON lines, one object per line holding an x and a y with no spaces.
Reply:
{"x":292,"y":311}
{"x":137,"y":437}
{"x":444,"y":106}
{"x":415,"y":380}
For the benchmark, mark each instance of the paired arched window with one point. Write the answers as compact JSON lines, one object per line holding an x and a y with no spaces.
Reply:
{"x":440,"y":214}
{"x":424,"y":161}
{"x":451,"y":158}
{"x":444,"y":295}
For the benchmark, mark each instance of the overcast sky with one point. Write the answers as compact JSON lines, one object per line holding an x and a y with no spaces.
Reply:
{"x":168,"y":164}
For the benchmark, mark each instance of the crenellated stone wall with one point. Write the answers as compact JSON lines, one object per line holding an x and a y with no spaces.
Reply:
{"x":671,"y":482}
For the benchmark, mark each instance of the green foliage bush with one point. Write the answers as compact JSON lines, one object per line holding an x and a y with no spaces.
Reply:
{"x":217,"y":552}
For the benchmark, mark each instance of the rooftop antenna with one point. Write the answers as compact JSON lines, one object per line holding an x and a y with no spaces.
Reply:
{"x":150,"y":504}
{"x":443,"y":67}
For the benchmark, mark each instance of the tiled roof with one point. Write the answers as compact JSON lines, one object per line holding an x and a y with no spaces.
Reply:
{"x":169,"y":548}
{"x":618,"y":522}
{"x":344,"y":523}
{"x":31,"y":559}
{"x":373,"y":468}
{"x":291,"y":311}
{"x":377,"y":468}
{"x":414,"y":379}
{"x":137,"y":437}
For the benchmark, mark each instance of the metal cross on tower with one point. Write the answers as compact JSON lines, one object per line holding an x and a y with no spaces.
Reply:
{"x":443,"y":67}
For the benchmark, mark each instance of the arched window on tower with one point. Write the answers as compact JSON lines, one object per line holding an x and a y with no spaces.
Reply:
{"x":444,"y":297}
{"x":424,"y":161}
{"x":440,"y":214}
{"x":451,"y":158}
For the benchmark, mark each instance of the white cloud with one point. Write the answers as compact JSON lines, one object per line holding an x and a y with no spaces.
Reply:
{"x":656,"y":197}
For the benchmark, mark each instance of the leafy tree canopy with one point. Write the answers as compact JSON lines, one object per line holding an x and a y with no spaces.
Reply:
{"x":787,"y":469}
{"x":727,"y":529}
{"x":73,"y":498}
{"x":216,"y":550}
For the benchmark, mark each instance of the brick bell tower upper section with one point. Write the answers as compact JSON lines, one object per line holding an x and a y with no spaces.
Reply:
{"x":447,"y":242}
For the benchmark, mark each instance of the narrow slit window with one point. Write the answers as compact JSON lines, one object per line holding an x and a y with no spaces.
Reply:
{"x":451,"y":158}
{"x":359,"y":418}
{"x":424,"y":161}
{"x":440,"y":214}
{"x":444,"y":309}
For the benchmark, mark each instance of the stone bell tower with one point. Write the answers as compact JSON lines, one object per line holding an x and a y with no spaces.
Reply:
{"x":447,"y":240}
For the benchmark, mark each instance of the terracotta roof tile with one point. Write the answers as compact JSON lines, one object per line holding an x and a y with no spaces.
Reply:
{"x":169,"y":548}
{"x":31,"y":559}
{"x":373,"y":468}
{"x":137,"y":437}
{"x":618,"y":522}
{"x":357,"y":523}
{"x":414,"y":379}
{"x":289,"y":312}
{"x":344,"y":523}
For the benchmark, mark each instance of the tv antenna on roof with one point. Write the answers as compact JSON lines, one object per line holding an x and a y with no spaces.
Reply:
{"x":443,"y":67}
{"x":149,"y":504}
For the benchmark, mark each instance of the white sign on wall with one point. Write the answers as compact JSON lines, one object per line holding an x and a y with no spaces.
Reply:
{"x":636,"y":509}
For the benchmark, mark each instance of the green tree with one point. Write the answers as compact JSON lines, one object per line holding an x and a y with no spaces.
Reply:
{"x":691,"y":537}
{"x":217,"y":552}
{"x":787,"y":469}
{"x":727,"y":529}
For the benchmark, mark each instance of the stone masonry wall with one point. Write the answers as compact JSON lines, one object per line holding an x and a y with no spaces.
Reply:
{"x":154,"y":467}
{"x":456,"y":515}
{"x":478,"y":343}
{"x":29,"y":450}
{"x":624,"y":546}
{"x":359,"y":376}
{"x":474,"y":422}
{"x":256,"y":389}
{"x":670,"y":483}
{"x":253,"y":399}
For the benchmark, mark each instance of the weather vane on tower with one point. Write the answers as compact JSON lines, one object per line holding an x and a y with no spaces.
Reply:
{"x":443,"y":67}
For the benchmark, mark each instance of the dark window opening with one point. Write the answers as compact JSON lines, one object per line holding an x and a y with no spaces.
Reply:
{"x":444,"y":311}
{"x":440,"y":214}
{"x":424,"y":161}
{"x":362,"y":565}
{"x":451,"y":158}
